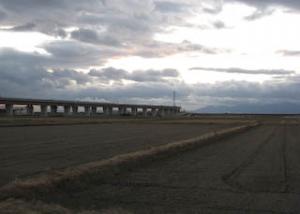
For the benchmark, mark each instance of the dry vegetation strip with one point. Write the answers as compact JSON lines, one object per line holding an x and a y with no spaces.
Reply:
{"x":52,"y":181}
{"x":54,"y":121}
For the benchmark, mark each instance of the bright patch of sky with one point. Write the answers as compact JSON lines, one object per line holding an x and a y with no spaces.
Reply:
{"x":24,"y":41}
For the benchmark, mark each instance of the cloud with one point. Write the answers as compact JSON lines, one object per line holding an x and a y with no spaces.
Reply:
{"x":71,"y":54}
{"x":23,"y":75}
{"x":293,"y":4}
{"x":110,"y":73}
{"x":170,"y":7}
{"x":26,"y":27}
{"x":219,"y":24}
{"x":289,"y":52}
{"x":91,"y":32}
{"x":247,"y":71}
{"x":137,"y":76}
{"x":259,"y":13}
{"x":92,"y":36}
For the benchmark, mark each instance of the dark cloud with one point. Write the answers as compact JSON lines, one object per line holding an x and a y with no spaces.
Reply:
{"x":173,"y":7}
{"x":137,"y":76}
{"x":247,"y":71}
{"x":110,"y":73}
{"x":153,"y":75}
{"x":26,"y":27}
{"x":2,"y":15}
{"x":293,"y":4}
{"x":71,"y":54}
{"x":92,"y":36}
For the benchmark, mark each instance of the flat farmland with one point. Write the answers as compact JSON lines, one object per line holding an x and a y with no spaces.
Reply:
{"x":25,"y":151}
{"x":257,"y":171}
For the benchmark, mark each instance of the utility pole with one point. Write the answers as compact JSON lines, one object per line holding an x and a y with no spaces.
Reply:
{"x":174,"y":98}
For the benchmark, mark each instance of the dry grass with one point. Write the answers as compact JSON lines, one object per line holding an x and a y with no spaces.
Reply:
{"x":50,"y":121}
{"x":50,"y":182}
{"x":13,"y":206}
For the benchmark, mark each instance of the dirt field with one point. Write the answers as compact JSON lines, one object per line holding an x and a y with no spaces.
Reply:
{"x":25,"y":151}
{"x":254,"y":172}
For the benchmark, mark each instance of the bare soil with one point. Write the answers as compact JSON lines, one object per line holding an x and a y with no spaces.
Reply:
{"x":26,"y":151}
{"x":254,"y":172}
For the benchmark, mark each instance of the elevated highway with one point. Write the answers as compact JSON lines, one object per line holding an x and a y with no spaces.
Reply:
{"x":71,"y":108}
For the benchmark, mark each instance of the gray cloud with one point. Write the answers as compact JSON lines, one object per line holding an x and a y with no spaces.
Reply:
{"x":26,"y":27}
{"x":247,"y":71}
{"x":110,"y":73}
{"x":259,"y":13}
{"x":71,"y":54}
{"x":293,"y":4}
{"x":92,"y":36}
{"x":2,"y":15}
{"x":289,"y":52}
{"x":137,"y":76}
{"x":173,"y":7}
{"x":104,"y":29}
{"x":21,"y":75}
{"x":219,"y":24}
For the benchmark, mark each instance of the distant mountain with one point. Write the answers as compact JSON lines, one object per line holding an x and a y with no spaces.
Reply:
{"x":278,"y":108}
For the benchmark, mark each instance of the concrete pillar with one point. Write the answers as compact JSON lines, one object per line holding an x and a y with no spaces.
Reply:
{"x":94,"y":109}
{"x":172,"y":111}
{"x":169,"y":111}
{"x":105,"y":110}
{"x":53,"y":109}
{"x":122,"y":110}
{"x":44,"y":110}
{"x":29,"y":109}
{"x":161,"y":112}
{"x":145,"y":112}
{"x":166,"y":112}
{"x":87,"y":110}
{"x":75,"y":110}
{"x":134,"y":111}
{"x":110,"y":110}
{"x":67,"y":110}
{"x":153,"y":112}
{"x":9,"y":109}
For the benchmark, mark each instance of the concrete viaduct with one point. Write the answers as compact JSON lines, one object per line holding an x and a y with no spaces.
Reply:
{"x":70,"y":108}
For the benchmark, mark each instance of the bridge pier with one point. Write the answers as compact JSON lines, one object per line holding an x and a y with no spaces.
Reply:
{"x":107,"y":110}
{"x":53,"y":109}
{"x":161,"y":112}
{"x":133,"y":111}
{"x":29,"y":109}
{"x":74,"y":110}
{"x":44,"y":110}
{"x":94,"y":110}
{"x":153,"y":112}
{"x":122,"y":110}
{"x":145,"y":112}
{"x":9,"y":108}
{"x":67,"y":110}
{"x":87,"y":110}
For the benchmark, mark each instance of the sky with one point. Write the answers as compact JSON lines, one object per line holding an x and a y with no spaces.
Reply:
{"x":237,"y":56}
